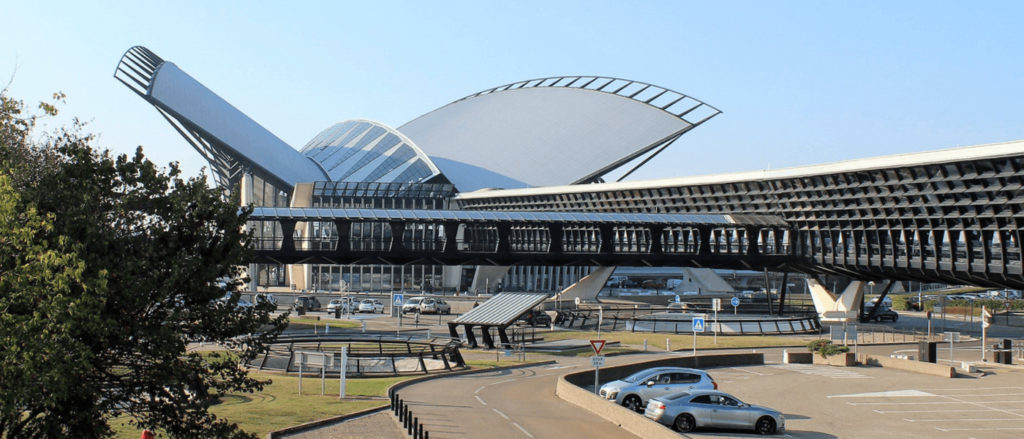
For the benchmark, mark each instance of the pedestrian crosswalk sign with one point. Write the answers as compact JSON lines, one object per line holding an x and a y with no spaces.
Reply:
{"x":399,"y":299}
{"x":698,"y":324}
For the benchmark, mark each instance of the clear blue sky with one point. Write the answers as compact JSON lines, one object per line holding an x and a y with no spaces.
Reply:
{"x":798,"y":82}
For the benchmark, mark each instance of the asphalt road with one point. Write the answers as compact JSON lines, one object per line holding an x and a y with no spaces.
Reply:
{"x":509,"y":404}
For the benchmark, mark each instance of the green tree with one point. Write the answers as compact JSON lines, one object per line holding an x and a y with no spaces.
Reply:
{"x":108,"y":278}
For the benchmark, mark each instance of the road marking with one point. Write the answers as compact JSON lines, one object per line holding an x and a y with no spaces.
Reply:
{"x":559,"y":367}
{"x":977,"y":429}
{"x":922,"y":403}
{"x":502,"y":414}
{"x":891,"y":393}
{"x":481,"y":401}
{"x":478,"y":389}
{"x":929,"y":411}
{"x":961,"y":420}
{"x":749,"y":371}
{"x":502,"y":382}
{"x":520,"y":427}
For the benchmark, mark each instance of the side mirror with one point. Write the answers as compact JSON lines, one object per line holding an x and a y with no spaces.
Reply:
{"x":650,"y":383}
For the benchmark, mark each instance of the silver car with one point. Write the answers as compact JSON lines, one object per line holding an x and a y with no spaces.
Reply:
{"x":686,"y":411}
{"x":634,"y":391}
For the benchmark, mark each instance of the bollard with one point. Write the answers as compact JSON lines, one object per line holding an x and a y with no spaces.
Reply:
{"x":419,"y":432}
{"x":426,"y":435}
{"x":412,"y":426}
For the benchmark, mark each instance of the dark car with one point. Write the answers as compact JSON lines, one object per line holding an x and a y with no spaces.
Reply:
{"x":536,"y":318}
{"x":306,"y":304}
{"x":884,"y":313}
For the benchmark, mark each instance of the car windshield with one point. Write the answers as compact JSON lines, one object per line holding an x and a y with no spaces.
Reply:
{"x":637,"y":376}
{"x":368,"y":302}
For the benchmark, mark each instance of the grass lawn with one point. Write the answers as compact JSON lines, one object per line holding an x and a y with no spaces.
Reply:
{"x":279,"y":405}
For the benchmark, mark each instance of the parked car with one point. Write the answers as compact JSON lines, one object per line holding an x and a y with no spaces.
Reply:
{"x":884,"y":313}
{"x":435,"y":306}
{"x":412,"y":305}
{"x":634,"y":391}
{"x":371,"y":306}
{"x":536,"y":318}
{"x":343,"y":304}
{"x":306,"y":304}
{"x":264,"y":297}
{"x":241,"y":305}
{"x":686,"y":411}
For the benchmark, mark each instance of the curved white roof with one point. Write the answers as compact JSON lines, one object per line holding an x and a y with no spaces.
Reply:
{"x":365,"y":151}
{"x":552,"y":131}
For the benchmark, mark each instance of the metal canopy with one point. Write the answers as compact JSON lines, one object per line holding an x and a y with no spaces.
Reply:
{"x":501,"y":310}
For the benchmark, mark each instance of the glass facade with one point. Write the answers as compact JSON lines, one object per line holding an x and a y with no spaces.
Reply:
{"x":375,"y":235}
{"x":365,"y":151}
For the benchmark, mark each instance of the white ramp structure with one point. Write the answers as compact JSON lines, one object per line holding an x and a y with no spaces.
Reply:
{"x":836,"y":309}
{"x":587,"y":288}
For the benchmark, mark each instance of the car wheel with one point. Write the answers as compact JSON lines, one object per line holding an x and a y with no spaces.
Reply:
{"x":895,"y":318}
{"x":684,"y":423}
{"x":633,"y":403}
{"x":765,"y":425}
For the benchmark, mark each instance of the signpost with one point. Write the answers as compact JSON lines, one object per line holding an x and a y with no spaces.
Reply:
{"x":735,"y":304}
{"x":397,"y":300}
{"x":341,"y":371}
{"x":597,"y":360}
{"x":986,"y":321}
{"x":952,"y":337}
{"x":698,"y":326}
{"x":716,"y":305}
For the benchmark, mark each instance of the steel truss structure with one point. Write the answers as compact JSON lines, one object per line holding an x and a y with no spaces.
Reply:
{"x":957,"y":221}
{"x":509,"y":238}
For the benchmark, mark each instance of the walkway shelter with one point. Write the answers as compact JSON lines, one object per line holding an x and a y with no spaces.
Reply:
{"x":500,"y":311}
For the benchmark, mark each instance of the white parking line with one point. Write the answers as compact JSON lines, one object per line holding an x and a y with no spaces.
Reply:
{"x":960,"y":420}
{"x":749,"y":371}
{"x":481,"y":401}
{"x":502,"y":414}
{"x":930,"y":411}
{"x":520,"y":427}
{"x":979,"y":429}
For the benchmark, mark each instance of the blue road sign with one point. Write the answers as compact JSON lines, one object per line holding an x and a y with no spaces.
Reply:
{"x":735,"y":301}
{"x":698,"y":324}
{"x":399,"y":299}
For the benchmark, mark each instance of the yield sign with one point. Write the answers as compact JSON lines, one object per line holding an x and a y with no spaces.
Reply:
{"x":597,"y":345}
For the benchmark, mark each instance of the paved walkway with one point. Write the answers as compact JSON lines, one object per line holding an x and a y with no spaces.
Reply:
{"x":380,"y":425}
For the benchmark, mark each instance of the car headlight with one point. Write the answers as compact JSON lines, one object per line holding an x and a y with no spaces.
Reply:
{"x":610,"y":394}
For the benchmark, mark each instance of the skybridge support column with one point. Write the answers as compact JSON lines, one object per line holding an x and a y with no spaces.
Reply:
{"x":504,"y":230}
{"x":397,"y":235}
{"x":288,"y":229}
{"x":557,"y":246}
{"x":656,"y":244}
{"x":607,"y":238}
{"x":344,"y":235}
{"x":451,"y":234}
{"x":705,"y":240}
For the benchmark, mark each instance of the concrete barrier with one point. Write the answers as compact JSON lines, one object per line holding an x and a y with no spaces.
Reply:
{"x":797,"y":357}
{"x":698,"y":362}
{"x":572,"y":388}
{"x":908,"y":365}
{"x":627,"y":419}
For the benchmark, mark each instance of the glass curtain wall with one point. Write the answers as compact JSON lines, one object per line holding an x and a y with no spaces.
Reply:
{"x":377,"y":235}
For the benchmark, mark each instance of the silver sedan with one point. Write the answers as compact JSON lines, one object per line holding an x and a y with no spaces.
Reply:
{"x":709,"y":408}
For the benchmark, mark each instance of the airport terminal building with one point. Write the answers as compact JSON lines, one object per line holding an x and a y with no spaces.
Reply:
{"x":567,"y":144}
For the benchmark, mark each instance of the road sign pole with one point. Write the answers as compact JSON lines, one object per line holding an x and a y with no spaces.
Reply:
{"x":695,"y":343}
{"x":341,"y":371}
{"x":716,"y":326}
{"x":596,"y":381}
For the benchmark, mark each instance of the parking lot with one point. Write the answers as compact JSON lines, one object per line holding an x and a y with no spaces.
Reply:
{"x":869,"y":402}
